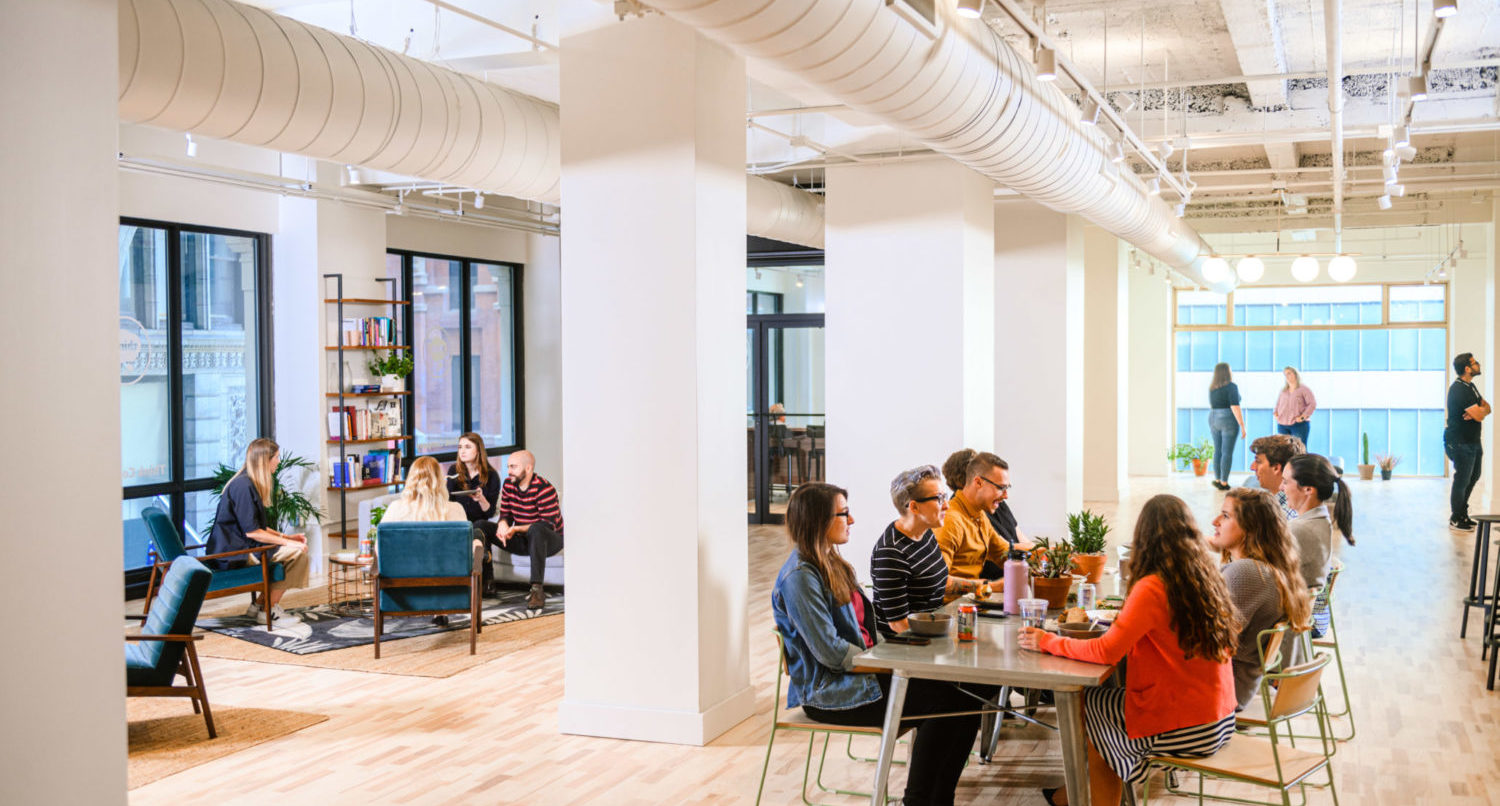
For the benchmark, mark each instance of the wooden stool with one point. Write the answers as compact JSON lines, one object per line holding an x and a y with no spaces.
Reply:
{"x":1477,"y":576}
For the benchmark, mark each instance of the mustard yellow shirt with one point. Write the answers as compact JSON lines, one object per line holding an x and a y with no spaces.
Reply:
{"x":967,"y":539}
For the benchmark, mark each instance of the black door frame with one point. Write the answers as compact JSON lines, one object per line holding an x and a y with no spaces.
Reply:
{"x":761,"y":325}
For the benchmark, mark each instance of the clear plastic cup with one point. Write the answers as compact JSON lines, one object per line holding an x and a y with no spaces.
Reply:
{"x":1033,"y":612}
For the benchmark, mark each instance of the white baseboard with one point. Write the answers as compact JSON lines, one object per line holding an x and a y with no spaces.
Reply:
{"x":655,"y":724}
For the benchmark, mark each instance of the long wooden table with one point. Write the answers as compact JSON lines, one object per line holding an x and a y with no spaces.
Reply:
{"x":995,"y":658}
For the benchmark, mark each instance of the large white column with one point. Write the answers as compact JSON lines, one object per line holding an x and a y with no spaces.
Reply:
{"x":910,"y":328}
{"x":1039,"y":387}
{"x":1148,"y":389}
{"x":1105,"y":363}
{"x":653,"y":384}
{"x":59,"y":322}
{"x":1484,"y":498}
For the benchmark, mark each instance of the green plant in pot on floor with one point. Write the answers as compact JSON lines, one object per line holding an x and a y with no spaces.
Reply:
{"x":1366,"y":470}
{"x":1387,"y":462}
{"x":1198,"y":456}
{"x":1086,"y":532}
{"x":1051,"y":571}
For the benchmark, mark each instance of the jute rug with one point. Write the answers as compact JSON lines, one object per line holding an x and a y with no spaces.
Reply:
{"x":166,"y":737}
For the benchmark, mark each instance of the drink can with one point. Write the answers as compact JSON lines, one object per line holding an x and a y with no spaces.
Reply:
{"x":968,"y":620}
{"x":1088,"y":595}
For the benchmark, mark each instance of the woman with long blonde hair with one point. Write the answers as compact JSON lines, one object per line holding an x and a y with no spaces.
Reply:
{"x":1264,"y":576}
{"x":825,"y":621}
{"x":1294,"y":407}
{"x":241,"y":523}
{"x":1179,"y":630}
{"x":425,"y":496}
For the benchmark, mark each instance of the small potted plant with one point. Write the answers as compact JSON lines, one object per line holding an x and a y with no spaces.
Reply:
{"x":1387,"y":463}
{"x":391,"y":368}
{"x":1086,"y":531}
{"x":1051,"y":571}
{"x":1198,"y":455}
{"x":1366,"y":470}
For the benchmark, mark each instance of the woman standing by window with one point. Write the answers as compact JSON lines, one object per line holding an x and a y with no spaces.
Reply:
{"x":1294,"y":407}
{"x":473,"y":471}
{"x":1225,"y":420}
{"x":241,"y":523}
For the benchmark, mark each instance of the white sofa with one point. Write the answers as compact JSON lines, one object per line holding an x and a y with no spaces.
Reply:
{"x":508,"y":567}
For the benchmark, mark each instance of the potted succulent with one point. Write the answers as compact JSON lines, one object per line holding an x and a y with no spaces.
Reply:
{"x":1086,"y":531}
{"x":1387,"y":463}
{"x":1198,"y":455}
{"x":1366,"y":470}
{"x":1051,"y":571}
{"x":391,"y":368}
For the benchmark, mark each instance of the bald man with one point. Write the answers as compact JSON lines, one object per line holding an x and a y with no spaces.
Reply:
{"x":531,"y":520}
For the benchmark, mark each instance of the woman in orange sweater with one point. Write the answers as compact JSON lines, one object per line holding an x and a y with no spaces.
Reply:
{"x":1179,"y":630}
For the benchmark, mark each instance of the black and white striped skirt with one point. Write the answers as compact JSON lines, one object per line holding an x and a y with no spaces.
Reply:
{"x":1104,"y":722}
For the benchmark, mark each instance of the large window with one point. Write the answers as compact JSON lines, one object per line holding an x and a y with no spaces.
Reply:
{"x":466,"y":344}
{"x":194,"y":369}
{"x":1375,"y":356}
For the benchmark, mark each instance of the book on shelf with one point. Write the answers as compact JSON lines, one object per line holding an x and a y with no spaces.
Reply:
{"x":377,"y":419}
{"x":364,"y":388}
{"x":358,"y":470}
{"x":369,"y":331}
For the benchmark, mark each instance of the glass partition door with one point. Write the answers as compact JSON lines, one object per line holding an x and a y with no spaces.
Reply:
{"x":785,"y":427}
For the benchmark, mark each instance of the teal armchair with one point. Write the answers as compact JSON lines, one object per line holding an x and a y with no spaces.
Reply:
{"x":251,"y":578}
{"x":424,"y":569}
{"x":165,"y":646}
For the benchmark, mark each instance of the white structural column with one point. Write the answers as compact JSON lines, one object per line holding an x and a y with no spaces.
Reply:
{"x":1471,"y":329}
{"x":910,"y":328}
{"x":59,"y":322}
{"x":1039,"y":386}
{"x":1105,"y":366}
{"x":653,"y":384}
{"x":1484,"y":498}
{"x":1148,"y":392}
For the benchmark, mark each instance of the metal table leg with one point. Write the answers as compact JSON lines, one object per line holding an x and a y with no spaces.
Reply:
{"x":889,"y":732}
{"x":1075,"y":752}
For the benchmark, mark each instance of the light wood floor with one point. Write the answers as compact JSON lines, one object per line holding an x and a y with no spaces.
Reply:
{"x":1428,"y":730}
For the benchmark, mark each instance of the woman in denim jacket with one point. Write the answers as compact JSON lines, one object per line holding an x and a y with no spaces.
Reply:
{"x":826,"y":621}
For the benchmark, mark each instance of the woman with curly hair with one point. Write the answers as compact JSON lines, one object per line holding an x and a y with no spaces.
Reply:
{"x":1263,"y":574}
{"x":1179,"y":630}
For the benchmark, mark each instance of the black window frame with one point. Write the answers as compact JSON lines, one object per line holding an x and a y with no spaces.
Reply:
{"x":466,"y":348}
{"x":179,"y":487}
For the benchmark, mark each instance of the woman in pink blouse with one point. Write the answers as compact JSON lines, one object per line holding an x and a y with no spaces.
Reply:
{"x":1294,"y":407}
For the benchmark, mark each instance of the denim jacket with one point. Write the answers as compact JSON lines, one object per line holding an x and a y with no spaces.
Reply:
{"x":821,"y":641}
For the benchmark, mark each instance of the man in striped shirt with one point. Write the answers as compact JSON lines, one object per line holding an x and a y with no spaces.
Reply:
{"x":531,"y":520}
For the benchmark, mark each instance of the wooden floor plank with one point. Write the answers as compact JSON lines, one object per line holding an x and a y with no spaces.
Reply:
{"x":1428,"y":730}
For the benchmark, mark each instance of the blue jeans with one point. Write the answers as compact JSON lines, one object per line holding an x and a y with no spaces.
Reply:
{"x":1467,"y":462}
{"x":1298,"y":430}
{"x":1226,"y":431}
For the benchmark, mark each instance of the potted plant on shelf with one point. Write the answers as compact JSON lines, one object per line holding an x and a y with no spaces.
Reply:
{"x":1051,"y":571}
{"x":391,"y":368}
{"x":1387,"y":462}
{"x":1366,"y":470}
{"x":1086,"y":531}
{"x":288,"y":508}
{"x":1198,"y":455}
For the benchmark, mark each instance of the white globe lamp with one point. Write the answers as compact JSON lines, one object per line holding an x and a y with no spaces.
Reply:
{"x":1250,"y":269}
{"x":1341,"y":269}
{"x":1215,"y":270}
{"x":1305,"y":269}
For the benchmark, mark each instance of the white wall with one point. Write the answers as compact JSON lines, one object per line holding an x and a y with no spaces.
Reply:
{"x":1105,"y":407}
{"x":181,"y":200}
{"x":1149,"y":388}
{"x":63,"y":703}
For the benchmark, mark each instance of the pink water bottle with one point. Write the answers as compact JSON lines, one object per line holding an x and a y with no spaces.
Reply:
{"x":1017,"y":581}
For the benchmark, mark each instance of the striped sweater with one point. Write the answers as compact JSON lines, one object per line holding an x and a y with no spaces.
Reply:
{"x":538,"y":502}
{"x":909,"y":575}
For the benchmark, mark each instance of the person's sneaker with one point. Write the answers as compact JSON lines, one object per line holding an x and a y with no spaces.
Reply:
{"x":253,"y":612}
{"x":440,"y":620}
{"x":1462,"y":525}
{"x":536,"y":599}
{"x":279,"y":616}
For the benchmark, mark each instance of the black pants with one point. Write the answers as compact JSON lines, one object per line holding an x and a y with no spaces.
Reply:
{"x":942,"y":745}
{"x":1467,"y":459}
{"x":484,"y":532}
{"x":538,"y":542}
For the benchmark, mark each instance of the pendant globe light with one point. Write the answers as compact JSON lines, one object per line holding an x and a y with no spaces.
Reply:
{"x":1305,"y":269}
{"x":1215,"y":270}
{"x":1341,"y":269}
{"x":1250,"y":269}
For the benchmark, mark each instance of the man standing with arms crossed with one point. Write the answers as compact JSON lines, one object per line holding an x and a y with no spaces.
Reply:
{"x":1466,"y":409}
{"x":531,"y":520}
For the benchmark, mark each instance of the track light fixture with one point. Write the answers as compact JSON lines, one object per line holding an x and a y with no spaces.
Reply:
{"x":1398,"y":190}
{"x":1046,"y":64}
{"x":970,"y":9}
{"x":1341,"y":269}
{"x":1153,"y":186}
{"x":1383,"y":202}
{"x":1390,"y":174}
{"x":353,"y":174}
{"x":1180,"y":209}
{"x":1416,"y":87}
{"x":1167,"y":148}
{"x":478,"y":200}
{"x":1444,"y":8}
{"x":1090,"y":111}
{"x":1401,"y":137}
{"x":1116,"y":151}
{"x":1406,"y":153}
{"x":1305,"y":269}
{"x":192,"y":147}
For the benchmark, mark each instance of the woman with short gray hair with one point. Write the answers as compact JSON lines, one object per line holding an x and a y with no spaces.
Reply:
{"x":908,"y":570}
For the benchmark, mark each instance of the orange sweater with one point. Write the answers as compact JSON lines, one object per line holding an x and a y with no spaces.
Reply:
{"x":1164,"y":690}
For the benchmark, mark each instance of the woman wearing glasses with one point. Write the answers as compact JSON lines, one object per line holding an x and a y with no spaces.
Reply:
{"x":825,"y":621}
{"x":908,"y":569}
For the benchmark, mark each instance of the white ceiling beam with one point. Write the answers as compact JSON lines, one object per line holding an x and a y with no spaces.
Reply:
{"x":1282,"y":156}
{"x":1256,"y":32}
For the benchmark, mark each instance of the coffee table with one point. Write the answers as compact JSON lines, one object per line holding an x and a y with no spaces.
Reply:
{"x":351,"y":586}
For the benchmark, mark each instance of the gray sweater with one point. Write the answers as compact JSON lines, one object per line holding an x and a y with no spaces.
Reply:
{"x":1252,"y":587}
{"x":1313,"y":534}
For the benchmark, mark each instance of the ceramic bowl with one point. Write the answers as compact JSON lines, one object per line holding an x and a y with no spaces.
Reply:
{"x":930,"y":624}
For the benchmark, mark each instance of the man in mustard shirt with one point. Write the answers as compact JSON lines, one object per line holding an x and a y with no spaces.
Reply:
{"x":966,"y":537}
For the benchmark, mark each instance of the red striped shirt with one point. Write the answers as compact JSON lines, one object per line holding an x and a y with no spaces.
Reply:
{"x":538,"y":502}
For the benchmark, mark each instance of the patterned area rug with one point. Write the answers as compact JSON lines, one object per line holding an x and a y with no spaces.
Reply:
{"x":322,"y":629}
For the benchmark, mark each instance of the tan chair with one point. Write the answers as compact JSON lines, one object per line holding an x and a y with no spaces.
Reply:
{"x":1271,"y":762}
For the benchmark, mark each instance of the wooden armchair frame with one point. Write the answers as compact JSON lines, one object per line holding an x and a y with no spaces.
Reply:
{"x":262,"y":587}
{"x":188,"y":668}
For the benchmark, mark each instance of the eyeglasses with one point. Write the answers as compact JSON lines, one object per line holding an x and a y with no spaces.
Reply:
{"x":843,"y":513}
{"x":1004,"y":488}
{"x":940,"y":498}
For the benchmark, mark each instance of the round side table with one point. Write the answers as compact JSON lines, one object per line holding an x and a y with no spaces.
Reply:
{"x":351,"y":588}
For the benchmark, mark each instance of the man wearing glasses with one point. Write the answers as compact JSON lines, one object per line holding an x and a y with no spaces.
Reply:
{"x":967,"y":539}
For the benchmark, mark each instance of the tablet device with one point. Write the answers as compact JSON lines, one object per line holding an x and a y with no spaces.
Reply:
{"x":457,"y":493}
